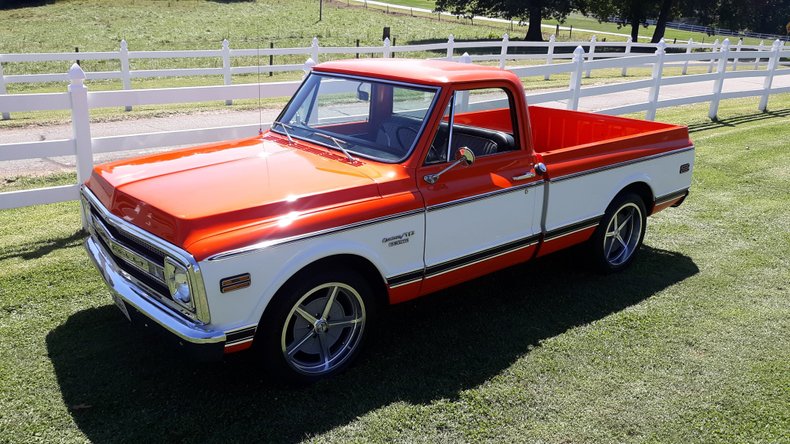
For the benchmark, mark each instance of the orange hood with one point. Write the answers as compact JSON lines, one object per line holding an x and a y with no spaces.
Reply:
{"x":188,"y":195}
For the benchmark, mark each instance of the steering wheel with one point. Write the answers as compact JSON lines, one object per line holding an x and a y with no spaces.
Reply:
{"x":399,"y":132}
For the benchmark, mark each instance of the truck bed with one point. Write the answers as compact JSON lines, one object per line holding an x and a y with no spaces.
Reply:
{"x":570,"y":141}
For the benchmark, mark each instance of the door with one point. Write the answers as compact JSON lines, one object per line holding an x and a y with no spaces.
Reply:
{"x":480,"y":217}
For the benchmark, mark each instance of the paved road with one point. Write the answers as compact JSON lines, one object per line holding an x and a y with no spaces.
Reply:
{"x":229,"y":117}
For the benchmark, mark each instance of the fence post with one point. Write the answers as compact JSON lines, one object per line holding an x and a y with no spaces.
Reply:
{"x":713,"y":50}
{"x":658,"y":67}
{"x":503,"y":51}
{"x":576,"y":78}
{"x":756,"y":58}
{"x":126,"y":75}
{"x":627,"y":52}
{"x":314,"y":50}
{"x":688,"y":51}
{"x":462,"y":97}
{"x":550,"y":54}
{"x":226,"y":66}
{"x":737,"y":50}
{"x":724,"y":54}
{"x":80,"y":124}
{"x":308,"y":66}
{"x":773,"y":62}
{"x":591,"y":55}
{"x":450,"y":44}
{"x":6,"y":115}
{"x":386,"y":52}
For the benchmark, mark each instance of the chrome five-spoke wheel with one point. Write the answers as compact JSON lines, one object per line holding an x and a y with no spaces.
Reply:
{"x":623,"y":234}
{"x":620,"y":233}
{"x":316,"y":323}
{"x":323,"y":329}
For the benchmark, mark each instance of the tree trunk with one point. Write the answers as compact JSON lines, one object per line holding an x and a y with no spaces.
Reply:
{"x":661,"y":23}
{"x":635,"y":30}
{"x":534,"y":32}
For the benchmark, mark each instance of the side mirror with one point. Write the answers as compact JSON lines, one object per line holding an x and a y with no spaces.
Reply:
{"x":363,"y":96}
{"x":463,"y":156}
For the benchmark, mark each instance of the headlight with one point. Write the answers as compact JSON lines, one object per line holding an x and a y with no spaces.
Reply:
{"x":178,"y":283}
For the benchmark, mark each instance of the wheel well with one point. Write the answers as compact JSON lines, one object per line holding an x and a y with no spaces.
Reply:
{"x":358,"y":263}
{"x":644,"y":191}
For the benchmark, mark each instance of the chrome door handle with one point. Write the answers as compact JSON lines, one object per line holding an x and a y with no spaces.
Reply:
{"x":525,"y":176}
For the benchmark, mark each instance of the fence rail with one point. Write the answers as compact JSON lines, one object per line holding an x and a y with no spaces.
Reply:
{"x":79,"y":101}
{"x":503,"y":51}
{"x":718,"y":31}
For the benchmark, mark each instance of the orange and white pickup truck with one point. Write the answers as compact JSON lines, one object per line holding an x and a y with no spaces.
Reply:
{"x":381,"y":181}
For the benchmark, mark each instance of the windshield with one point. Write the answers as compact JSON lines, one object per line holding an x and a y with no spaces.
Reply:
{"x":358,"y":117}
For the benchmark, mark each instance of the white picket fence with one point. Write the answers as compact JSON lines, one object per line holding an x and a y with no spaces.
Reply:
{"x":80,"y":101}
{"x":503,"y":51}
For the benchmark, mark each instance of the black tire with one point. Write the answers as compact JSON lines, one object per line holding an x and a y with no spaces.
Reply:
{"x":611,"y":248}
{"x":295,"y":349}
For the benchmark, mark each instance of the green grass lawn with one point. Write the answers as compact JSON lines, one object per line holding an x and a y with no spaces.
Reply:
{"x":688,"y":345}
{"x":156,"y":25}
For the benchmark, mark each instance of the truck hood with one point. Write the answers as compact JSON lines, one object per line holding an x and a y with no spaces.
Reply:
{"x":187,"y":195}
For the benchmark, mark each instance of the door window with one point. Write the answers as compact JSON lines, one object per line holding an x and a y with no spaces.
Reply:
{"x":479,"y":119}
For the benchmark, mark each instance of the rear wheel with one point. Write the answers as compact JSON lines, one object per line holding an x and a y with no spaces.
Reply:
{"x":316,"y":325}
{"x":620,"y":233}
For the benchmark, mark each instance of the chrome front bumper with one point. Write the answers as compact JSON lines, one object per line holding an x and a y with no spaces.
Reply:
{"x":187,"y":333}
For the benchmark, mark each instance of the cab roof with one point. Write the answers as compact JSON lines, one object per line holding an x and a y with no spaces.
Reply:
{"x":428,"y":72}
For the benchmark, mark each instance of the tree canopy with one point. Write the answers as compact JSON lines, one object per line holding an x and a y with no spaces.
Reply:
{"x":533,"y":10}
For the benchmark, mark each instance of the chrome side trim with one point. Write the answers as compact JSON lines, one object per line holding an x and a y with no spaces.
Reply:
{"x":405,"y":278}
{"x":484,"y":196}
{"x":240,"y":335}
{"x":575,"y":227}
{"x":287,"y":240}
{"x":477,"y":261}
{"x":464,"y":261}
{"x":128,"y":289}
{"x":183,"y":257}
{"x":671,"y":196}
{"x":621,"y":164}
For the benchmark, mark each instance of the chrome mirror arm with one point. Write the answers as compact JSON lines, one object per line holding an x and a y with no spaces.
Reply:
{"x":464,"y":156}
{"x":433,"y":178}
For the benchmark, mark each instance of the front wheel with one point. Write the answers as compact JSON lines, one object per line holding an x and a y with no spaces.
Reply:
{"x":620,"y":233}
{"x":316,"y":325}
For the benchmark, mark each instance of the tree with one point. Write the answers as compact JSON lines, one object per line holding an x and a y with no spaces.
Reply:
{"x":664,"y":14}
{"x":533,"y":10}
{"x":766,"y":16}
{"x":631,"y":13}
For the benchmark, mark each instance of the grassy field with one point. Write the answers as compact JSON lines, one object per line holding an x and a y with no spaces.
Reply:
{"x":175,"y":25}
{"x":689,"y":345}
{"x":149,"y":25}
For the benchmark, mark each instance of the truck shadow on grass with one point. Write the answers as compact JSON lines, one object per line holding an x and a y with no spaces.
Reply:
{"x":122,"y":385}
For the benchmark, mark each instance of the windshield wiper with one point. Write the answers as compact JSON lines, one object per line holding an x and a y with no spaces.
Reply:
{"x":285,"y":129}
{"x":337,"y":144}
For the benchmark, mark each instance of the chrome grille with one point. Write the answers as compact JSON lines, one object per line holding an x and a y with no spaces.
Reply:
{"x":129,"y":252}
{"x":140,"y":256}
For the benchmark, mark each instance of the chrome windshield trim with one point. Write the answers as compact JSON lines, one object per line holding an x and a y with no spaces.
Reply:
{"x":437,"y":92}
{"x":620,"y":164}
{"x":183,"y":257}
